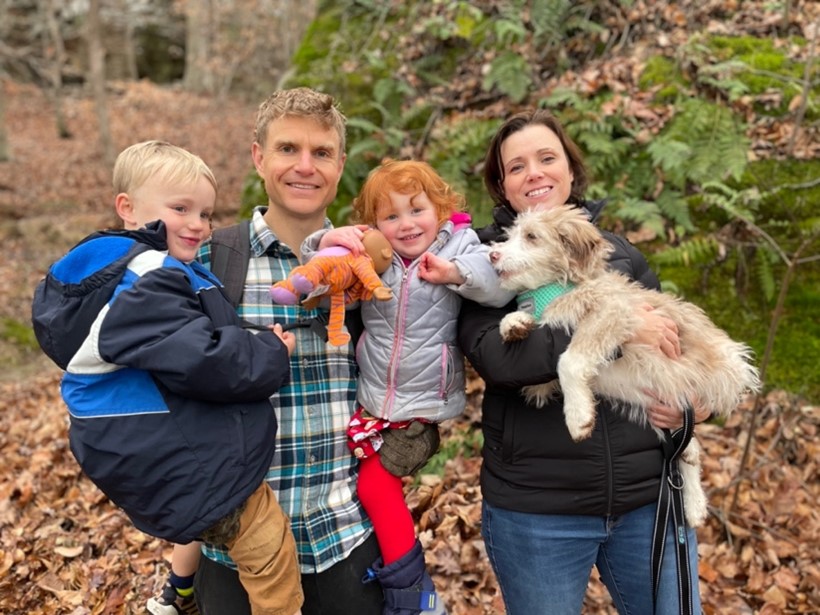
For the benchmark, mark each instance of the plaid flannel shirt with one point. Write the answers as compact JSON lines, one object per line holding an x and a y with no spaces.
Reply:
{"x":313,"y":473}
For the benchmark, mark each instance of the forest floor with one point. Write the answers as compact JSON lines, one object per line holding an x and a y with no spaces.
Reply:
{"x":67,"y":550}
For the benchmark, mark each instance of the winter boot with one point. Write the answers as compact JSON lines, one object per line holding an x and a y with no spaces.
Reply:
{"x":408,"y":589}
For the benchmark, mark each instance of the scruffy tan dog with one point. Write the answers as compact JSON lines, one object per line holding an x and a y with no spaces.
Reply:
{"x":562,"y":250}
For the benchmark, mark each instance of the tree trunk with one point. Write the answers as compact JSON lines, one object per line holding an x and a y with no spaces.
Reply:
{"x":5,"y":151}
{"x":96,"y":77}
{"x":128,"y":43}
{"x":198,"y":25}
{"x":55,"y":52}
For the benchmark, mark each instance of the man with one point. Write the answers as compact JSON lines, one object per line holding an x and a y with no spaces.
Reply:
{"x":298,"y":151}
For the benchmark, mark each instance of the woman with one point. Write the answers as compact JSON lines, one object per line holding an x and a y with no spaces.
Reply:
{"x":553,"y":508}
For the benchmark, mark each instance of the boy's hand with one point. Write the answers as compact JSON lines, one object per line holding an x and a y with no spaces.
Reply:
{"x":349,"y":237}
{"x":288,"y":338}
{"x":437,"y":270}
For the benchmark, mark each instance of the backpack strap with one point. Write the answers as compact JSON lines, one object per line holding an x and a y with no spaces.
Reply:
{"x":230,"y":253}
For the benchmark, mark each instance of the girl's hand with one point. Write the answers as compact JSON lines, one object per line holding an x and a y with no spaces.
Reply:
{"x":664,"y":416}
{"x":349,"y":237}
{"x":287,"y":337}
{"x":657,"y":331}
{"x":437,"y":270}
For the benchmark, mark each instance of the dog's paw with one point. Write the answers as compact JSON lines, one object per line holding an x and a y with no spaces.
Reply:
{"x":579,"y":424}
{"x":581,"y":432}
{"x":516,"y":326}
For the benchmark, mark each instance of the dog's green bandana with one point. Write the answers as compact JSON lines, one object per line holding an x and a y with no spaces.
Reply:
{"x":536,"y":301}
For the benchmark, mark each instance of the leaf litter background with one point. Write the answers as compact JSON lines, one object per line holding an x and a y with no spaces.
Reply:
{"x":67,"y":550}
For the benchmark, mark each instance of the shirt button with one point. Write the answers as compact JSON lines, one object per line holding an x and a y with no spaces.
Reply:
{"x":312,"y":459}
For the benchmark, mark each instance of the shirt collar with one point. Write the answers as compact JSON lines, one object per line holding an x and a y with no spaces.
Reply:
{"x":264,"y":240}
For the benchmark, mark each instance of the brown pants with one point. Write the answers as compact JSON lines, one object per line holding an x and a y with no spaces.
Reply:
{"x":265,"y":554}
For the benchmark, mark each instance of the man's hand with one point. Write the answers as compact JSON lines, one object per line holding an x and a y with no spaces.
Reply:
{"x":405,"y":451}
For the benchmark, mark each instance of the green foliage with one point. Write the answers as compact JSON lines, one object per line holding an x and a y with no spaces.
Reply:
{"x":662,"y":73}
{"x":739,"y":65}
{"x":736,"y":265}
{"x":456,"y":151}
{"x":466,"y":442}
{"x":461,"y":21}
{"x":253,"y":195}
{"x":18,"y":333}
{"x":704,"y":142}
{"x":690,"y":252}
{"x":510,"y":73}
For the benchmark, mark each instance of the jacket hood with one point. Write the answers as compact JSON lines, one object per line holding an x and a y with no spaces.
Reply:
{"x":67,"y":301}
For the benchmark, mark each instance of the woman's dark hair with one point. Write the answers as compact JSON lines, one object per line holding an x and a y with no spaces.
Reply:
{"x":494,"y":167}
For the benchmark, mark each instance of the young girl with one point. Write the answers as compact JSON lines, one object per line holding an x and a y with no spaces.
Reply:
{"x":410,"y":367}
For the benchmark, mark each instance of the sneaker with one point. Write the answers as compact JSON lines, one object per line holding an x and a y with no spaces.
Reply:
{"x":171,"y":603}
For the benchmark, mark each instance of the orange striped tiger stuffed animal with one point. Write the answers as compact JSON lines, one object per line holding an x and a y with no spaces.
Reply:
{"x":336,"y":273}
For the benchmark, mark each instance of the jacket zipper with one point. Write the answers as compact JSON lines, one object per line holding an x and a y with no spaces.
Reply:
{"x":393,"y":365}
{"x":610,"y":479}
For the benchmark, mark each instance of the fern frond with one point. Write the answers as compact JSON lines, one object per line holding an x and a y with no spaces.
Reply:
{"x":510,"y":72}
{"x":672,"y":156}
{"x":644,"y":213}
{"x":694,"y":251}
{"x":763,"y":269}
{"x":675,"y":208}
{"x":716,"y":144}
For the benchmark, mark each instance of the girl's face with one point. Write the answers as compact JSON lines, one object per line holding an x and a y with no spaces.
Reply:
{"x":537,"y":175}
{"x":409,"y":222}
{"x":186,"y":210}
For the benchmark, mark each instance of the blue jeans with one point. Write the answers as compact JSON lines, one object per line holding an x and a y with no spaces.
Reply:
{"x":543,"y":562}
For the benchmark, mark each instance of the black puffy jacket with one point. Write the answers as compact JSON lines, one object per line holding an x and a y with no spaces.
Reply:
{"x":530,"y":463}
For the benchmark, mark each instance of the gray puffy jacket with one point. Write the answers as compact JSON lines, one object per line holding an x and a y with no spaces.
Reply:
{"x":410,"y":365}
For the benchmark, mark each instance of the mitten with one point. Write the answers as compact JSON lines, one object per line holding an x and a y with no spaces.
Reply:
{"x":405,"y":451}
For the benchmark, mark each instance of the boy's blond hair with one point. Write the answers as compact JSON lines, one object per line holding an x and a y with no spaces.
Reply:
{"x":138,"y":163}
{"x":405,"y":177}
{"x":300,"y":102}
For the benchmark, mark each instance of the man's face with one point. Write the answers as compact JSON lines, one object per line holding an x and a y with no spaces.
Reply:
{"x":301,"y":165}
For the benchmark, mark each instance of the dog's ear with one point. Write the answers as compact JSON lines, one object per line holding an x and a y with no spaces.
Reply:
{"x":583,"y":243}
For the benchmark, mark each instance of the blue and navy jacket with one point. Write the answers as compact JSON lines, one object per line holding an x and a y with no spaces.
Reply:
{"x":167,"y":393}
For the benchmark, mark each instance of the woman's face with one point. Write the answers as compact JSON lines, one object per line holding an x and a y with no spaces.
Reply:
{"x":537,"y":175}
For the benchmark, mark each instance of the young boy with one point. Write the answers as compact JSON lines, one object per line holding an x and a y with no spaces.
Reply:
{"x":167,"y":393}
{"x":411,"y":370}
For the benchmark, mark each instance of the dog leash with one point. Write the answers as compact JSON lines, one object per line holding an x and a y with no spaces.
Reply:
{"x":670,"y":504}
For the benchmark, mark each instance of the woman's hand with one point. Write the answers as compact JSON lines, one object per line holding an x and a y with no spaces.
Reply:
{"x":349,"y":237}
{"x":664,"y":416}
{"x":657,"y":331}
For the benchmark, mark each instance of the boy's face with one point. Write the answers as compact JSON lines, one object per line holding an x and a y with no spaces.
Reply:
{"x":301,"y":165}
{"x":409,"y":222}
{"x":186,"y":210}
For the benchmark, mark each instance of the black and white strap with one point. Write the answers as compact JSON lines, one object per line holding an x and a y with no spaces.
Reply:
{"x":670,"y":508}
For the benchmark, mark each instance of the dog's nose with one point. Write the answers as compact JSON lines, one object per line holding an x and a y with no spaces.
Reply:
{"x":494,"y":256}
